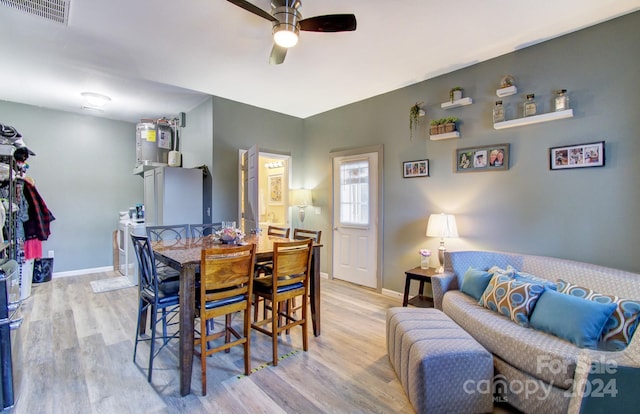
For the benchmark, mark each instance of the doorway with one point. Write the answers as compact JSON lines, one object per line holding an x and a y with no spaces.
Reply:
{"x":357,"y":191}
{"x":264,"y":190}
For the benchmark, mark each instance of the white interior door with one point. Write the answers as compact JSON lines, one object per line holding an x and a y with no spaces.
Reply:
{"x":250,"y":199}
{"x":355,"y":218}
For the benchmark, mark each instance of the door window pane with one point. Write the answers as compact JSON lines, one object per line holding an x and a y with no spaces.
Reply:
{"x":354,"y":193}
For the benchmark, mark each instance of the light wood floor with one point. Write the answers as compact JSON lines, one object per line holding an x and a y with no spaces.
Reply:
{"x":78,"y":349}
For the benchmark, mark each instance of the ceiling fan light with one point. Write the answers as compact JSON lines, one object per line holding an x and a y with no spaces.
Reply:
{"x":285,"y":35}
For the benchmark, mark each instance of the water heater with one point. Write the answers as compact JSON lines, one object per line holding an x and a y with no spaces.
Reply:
{"x":154,"y":140}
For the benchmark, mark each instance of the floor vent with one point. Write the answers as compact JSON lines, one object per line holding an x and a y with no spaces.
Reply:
{"x":55,"y":10}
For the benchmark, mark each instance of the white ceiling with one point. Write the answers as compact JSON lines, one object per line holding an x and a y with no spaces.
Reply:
{"x":160,"y":57}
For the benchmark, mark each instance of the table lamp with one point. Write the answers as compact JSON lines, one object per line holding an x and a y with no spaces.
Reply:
{"x":301,"y":198}
{"x":443,"y":226}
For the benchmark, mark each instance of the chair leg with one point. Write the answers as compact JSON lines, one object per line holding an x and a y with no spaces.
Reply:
{"x":141,"y":309}
{"x":154,"y":322}
{"x":247,"y":344}
{"x":204,"y":330}
{"x":275,"y":310}
{"x":305,"y":319}
{"x":227,"y":332}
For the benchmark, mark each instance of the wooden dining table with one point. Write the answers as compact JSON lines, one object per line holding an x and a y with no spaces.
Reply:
{"x":184,"y":255}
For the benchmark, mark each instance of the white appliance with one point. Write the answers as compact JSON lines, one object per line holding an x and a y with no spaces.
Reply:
{"x":128,"y":262}
{"x":173,"y":196}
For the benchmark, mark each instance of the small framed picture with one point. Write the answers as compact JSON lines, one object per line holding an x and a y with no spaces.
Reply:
{"x":485,"y":158}
{"x":418,"y":168}
{"x":577,"y":156}
{"x":275,"y":189}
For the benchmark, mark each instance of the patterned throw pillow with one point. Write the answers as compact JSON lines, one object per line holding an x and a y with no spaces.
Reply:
{"x":621,"y":325}
{"x":496,"y":270}
{"x":511,"y":298}
{"x":537,"y":280}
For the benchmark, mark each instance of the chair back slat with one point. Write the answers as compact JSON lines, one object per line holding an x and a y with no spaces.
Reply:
{"x":201,"y":230}
{"x":301,"y":234}
{"x":146,"y":263}
{"x":169,"y":232}
{"x":278,"y":231}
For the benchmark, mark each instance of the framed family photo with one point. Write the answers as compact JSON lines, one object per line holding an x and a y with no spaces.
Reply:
{"x":418,"y":168}
{"x":577,"y":156}
{"x":484,"y":158}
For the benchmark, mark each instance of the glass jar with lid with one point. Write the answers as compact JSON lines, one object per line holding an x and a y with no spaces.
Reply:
{"x":562,"y":100}
{"x":529,"y":106}
{"x":498,"y":112}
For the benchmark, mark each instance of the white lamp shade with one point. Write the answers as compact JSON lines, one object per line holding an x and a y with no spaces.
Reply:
{"x":301,"y":197}
{"x":442,"y":225}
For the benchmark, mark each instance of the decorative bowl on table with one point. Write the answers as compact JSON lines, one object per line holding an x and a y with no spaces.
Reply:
{"x":229,"y":235}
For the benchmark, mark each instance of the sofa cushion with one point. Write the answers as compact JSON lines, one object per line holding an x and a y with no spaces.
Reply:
{"x":575,"y":319}
{"x":622,"y":323}
{"x":511,"y":298}
{"x":537,"y":353}
{"x":475,"y":282}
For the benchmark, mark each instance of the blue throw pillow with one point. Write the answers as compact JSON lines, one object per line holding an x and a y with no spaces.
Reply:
{"x":574,"y":319}
{"x":475,"y":282}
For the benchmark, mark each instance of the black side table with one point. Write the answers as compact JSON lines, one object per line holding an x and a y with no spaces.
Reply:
{"x":423,"y":276}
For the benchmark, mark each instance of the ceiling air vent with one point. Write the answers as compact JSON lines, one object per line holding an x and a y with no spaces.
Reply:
{"x":55,"y":10}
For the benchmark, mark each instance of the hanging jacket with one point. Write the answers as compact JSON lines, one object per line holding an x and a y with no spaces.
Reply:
{"x":40,"y":217}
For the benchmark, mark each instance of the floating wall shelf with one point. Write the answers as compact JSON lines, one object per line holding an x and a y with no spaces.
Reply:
{"x":551,"y":116}
{"x":508,"y":91}
{"x":447,"y":135}
{"x":456,"y":103}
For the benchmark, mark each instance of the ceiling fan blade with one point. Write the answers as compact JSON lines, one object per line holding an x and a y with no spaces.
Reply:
{"x":329,"y":23}
{"x":250,"y":7}
{"x":278,"y":54}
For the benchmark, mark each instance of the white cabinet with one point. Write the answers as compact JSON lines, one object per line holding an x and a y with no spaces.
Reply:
{"x":172,"y":195}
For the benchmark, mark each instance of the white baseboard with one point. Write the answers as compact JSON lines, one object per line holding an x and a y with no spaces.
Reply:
{"x":392,"y":293}
{"x":82,"y":272}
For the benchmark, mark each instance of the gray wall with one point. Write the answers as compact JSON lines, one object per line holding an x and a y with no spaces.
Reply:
{"x":238,"y":126}
{"x":83,"y":167}
{"x":587,"y":214}
{"x":83,"y":171}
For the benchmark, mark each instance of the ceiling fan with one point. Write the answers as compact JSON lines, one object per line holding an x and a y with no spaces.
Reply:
{"x":287,"y":23}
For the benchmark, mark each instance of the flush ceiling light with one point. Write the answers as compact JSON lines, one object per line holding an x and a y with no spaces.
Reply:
{"x":95,"y":100}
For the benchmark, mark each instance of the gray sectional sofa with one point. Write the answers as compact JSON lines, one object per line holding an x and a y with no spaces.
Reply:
{"x":538,"y":372}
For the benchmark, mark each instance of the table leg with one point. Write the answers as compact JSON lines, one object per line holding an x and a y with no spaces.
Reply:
{"x":421,"y":291}
{"x":187,"y":313}
{"x":314,"y":286}
{"x":405,"y":299}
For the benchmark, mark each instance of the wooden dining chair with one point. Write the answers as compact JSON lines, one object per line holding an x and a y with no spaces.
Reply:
{"x":226,"y":283}
{"x":263,"y":267}
{"x":201,"y":230}
{"x":290,"y":278}
{"x":302,"y":234}
{"x":159,"y":297}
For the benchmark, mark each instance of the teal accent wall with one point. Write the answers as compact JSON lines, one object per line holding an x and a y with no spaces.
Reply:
{"x":587,"y":215}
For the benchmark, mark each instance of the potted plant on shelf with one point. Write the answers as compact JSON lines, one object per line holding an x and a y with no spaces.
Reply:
{"x":450,"y":124}
{"x":455,"y":93}
{"x":433,"y":129}
{"x":415,"y":112}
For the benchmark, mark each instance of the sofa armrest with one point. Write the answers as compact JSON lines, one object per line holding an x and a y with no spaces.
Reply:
{"x":440,"y":284}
